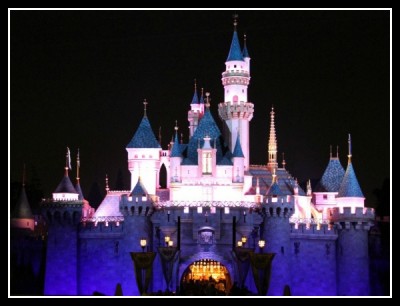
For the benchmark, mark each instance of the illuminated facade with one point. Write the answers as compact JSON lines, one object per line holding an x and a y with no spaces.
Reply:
{"x":214,"y":198}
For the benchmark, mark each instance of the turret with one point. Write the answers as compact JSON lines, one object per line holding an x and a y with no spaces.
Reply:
{"x":236,"y":111}
{"x":176,"y":158}
{"x":196,"y":110}
{"x":144,"y":155}
{"x":277,"y":209}
{"x":238,"y":162}
{"x":272,"y":144}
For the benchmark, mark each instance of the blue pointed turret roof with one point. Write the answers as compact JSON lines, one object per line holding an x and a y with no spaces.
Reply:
{"x":139,"y":189}
{"x":275,"y":190}
{"x":245,"y":52}
{"x":332,"y":177}
{"x":235,"y":52}
{"x":22,"y":210}
{"x":206,"y":127}
{"x":79,"y":190}
{"x":350,"y":186}
{"x":65,"y":186}
{"x":237,"y":151}
{"x":176,"y":148}
{"x":195,"y":99}
{"x":201,"y":98}
{"x":144,"y":136}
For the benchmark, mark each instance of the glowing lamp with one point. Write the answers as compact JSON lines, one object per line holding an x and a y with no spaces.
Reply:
{"x":261,"y":243}
{"x":244,"y":239}
{"x":167,"y":239}
{"x":143,"y":243}
{"x":240,"y":244}
{"x":170,"y":243}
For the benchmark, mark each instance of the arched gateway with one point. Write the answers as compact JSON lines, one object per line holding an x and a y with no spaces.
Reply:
{"x":206,"y":277}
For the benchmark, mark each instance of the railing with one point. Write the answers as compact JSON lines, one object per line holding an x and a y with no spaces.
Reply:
{"x":206,"y":204}
{"x":308,"y":221}
{"x":103,"y":219}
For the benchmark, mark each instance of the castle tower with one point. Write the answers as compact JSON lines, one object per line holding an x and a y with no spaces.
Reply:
{"x":236,"y":111}
{"x":22,"y":216}
{"x":144,"y":155}
{"x":277,"y":209}
{"x":63,"y":214}
{"x":175,"y":159}
{"x":137,"y":208}
{"x":196,"y":110}
{"x":272,"y":144}
{"x":353,"y":222}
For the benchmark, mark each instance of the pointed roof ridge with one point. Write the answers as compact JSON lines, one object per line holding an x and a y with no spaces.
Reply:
{"x":350,"y":186}
{"x":238,"y":152}
{"x":79,"y":191}
{"x":245,"y":52}
{"x":195,"y":99}
{"x":235,"y":52}
{"x":144,"y":136}
{"x":65,"y":186}
{"x":22,"y":210}
{"x":176,"y":150}
{"x":274,"y":189}
{"x":139,"y":188}
{"x":332,"y":177}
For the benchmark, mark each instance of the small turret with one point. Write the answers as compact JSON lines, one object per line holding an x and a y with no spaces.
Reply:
{"x":65,"y":190}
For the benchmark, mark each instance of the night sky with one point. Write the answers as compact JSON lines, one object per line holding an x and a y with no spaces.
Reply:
{"x":78,"y":79}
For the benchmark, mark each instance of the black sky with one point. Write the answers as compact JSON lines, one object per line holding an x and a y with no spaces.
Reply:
{"x":78,"y":79}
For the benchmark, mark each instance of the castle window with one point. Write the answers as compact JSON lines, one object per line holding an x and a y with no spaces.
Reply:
{"x":186,"y":210}
{"x":234,"y":66}
{"x":213,"y":210}
{"x":325,"y":197}
{"x":207,"y":163}
{"x":200,"y":210}
{"x":226,"y":210}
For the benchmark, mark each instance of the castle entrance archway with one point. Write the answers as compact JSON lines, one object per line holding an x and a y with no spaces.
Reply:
{"x":206,"y":277}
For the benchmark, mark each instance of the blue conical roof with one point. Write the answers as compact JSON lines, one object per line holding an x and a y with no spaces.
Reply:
{"x":275,"y":190}
{"x":332,"y":177}
{"x":139,"y":189}
{"x":235,"y":52}
{"x":350,"y":186}
{"x":195,"y":99}
{"x":79,"y":190}
{"x":22,"y":209}
{"x":202,"y":99}
{"x":238,"y":152}
{"x":206,"y":127}
{"x":245,"y":52}
{"x":144,"y":136}
{"x":176,"y":148}
{"x":65,"y":186}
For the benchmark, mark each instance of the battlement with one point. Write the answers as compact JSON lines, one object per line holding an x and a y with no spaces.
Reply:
{"x":100,"y":226}
{"x":229,"y":110}
{"x":349,"y":213}
{"x":312,"y":230}
{"x":136,"y":206}
{"x":280,"y":208}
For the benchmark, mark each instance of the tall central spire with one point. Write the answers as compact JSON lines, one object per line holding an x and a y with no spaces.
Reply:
{"x":272,"y":144}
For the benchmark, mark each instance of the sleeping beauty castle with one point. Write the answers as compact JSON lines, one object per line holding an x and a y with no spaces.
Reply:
{"x":221,"y":224}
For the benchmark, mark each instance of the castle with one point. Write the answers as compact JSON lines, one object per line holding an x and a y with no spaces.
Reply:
{"x":215,"y":202}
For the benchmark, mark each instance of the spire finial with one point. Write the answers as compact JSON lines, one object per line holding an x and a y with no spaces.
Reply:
{"x":274,"y":176}
{"x":330,"y":151}
{"x":67,"y":161}
{"x":107,"y":187}
{"x":337,"y":151}
{"x":23,"y":176}
{"x":283,"y":160}
{"x":181,"y":138}
{"x":309,"y":191}
{"x":272,"y":143}
{"x":176,"y":125}
{"x":78,"y":165}
{"x":208,"y":99}
{"x":235,"y":20}
{"x":145,"y":107}
{"x":349,"y":156}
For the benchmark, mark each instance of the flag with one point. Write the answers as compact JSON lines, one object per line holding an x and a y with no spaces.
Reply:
{"x":69,"y":158}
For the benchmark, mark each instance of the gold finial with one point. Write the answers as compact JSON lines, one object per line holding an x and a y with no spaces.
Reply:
{"x":208,"y":99}
{"x":107,"y":187}
{"x":235,"y":20}
{"x":283,"y":160}
{"x":78,"y":165}
{"x":145,"y":107}
{"x":349,"y":141}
